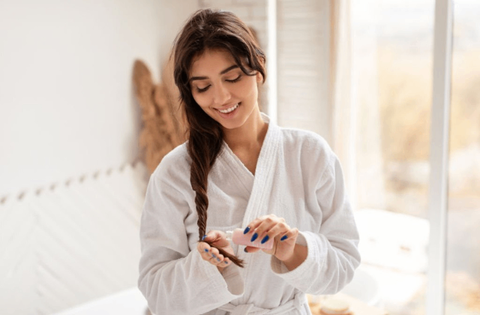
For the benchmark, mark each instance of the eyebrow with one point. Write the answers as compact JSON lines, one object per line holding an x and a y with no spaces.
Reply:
{"x":222,"y":72}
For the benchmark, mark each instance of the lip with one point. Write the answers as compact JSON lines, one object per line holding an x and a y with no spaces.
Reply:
{"x":229,"y":114}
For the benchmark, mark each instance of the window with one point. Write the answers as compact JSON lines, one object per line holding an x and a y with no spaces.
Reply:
{"x":393,"y":76}
{"x":463,"y":248}
{"x":390,"y":113}
{"x":392,"y":79}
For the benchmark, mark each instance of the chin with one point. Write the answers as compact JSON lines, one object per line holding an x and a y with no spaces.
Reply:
{"x":231,"y":126}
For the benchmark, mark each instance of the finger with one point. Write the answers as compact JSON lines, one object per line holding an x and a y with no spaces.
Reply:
{"x":227,"y":261}
{"x":212,"y":236}
{"x":269,"y":228}
{"x":214,"y":251}
{"x":213,"y":258}
{"x":250,"y":229}
{"x":218,"y":260}
{"x":205,"y":251}
{"x":217,"y":238}
{"x":290,"y":235}
{"x":202,"y":247}
{"x":279,"y":231}
{"x":216,"y":256}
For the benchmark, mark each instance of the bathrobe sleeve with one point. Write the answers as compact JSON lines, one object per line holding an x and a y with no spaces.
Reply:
{"x":333,"y":252}
{"x":173,"y":278}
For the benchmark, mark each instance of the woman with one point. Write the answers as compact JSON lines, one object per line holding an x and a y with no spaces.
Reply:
{"x":244,"y":172}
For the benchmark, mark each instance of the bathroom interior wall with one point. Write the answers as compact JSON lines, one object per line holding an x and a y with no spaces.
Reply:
{"x":67,"y":106}
{"x":70,"y":196}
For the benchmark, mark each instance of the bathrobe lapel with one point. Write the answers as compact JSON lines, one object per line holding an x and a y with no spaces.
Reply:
{"x":260,"y":197}
{"x":259,"y":187}
{"x":237,"y":169}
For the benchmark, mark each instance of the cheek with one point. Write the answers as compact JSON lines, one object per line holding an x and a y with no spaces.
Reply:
{"x":201,"y":99}
{"x":244,"y":88}
{"x":250,"y":88}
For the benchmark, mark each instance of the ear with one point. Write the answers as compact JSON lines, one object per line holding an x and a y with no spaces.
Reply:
{"x":259,"y":77}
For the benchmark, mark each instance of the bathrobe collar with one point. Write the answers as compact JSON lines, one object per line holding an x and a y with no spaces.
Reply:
{"x":260,"y":185}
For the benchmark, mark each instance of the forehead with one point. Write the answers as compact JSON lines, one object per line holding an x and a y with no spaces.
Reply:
{"x":211,"y":62}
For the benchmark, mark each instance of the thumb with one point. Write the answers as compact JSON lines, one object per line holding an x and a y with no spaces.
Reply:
{"x":212,"y":236}
{"x":217,"y":238}
{"x":251,"y":249}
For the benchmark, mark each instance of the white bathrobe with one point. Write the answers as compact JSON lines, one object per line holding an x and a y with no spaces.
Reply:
{"x":298,"y":178}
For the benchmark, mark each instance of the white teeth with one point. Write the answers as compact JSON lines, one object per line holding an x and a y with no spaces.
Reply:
{"x":229,"y":110}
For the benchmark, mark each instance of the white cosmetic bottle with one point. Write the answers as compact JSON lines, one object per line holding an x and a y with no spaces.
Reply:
{"x":237,"y":237}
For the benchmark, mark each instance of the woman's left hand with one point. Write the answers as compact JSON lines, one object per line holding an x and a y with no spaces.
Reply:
{"x":271,"y":226}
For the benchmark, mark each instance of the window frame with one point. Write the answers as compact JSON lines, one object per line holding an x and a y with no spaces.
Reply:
{"x":272,"y":60}
{"x":439,"y":147}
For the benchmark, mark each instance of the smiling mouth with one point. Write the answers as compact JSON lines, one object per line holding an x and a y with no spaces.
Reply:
{"x":229,"y":110}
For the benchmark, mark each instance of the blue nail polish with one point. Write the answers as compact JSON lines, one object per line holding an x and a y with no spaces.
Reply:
{"x":218,"y":259}
{"x":204,"y":237}
{"x":265,"y":239}
{"x":226,"y":262}
{"x":247,"y":229}
{"x":245,"y":250}
{"x":254,"y":237}
{"x":283,"y":238}
{"x":206,"y":250}
{"x":214,"y":256}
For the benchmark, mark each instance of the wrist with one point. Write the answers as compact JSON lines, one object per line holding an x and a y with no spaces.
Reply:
{"x":291,"y":257}
{"x":298,"y":256}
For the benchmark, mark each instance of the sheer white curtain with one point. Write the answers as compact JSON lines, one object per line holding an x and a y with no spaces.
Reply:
{"x":354,"y":102}
{"x":302,"y":58}
{"x":340,"y":90}
{"x":327,"y":83}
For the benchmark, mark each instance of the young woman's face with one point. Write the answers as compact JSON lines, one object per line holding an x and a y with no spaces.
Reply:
{"x":222,"y":90}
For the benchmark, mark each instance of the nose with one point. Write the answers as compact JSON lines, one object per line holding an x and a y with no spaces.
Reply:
{"x":221,"y":95}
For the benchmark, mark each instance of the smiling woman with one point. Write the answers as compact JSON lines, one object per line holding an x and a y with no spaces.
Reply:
{"x":278,"y":185}
{"x":225,"y":92}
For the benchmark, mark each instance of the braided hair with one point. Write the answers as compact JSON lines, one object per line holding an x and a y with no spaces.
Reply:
{"x":210,"y":30}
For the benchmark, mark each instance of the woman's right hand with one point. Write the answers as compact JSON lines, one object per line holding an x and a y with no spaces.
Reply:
{"x":211,"y":254}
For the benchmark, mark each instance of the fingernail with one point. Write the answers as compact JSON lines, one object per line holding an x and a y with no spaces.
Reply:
{"x":264,"y":239}
{"x":247,"y":229}
{"x":283,"y":238}
{"x":245,"y":250}
{"x":218,"y":259}
{"x":226,"y":262}
{"x":214,"y":256}
{"x":204,"y":237}
{"x":254,"y":237}
{"x":206,"y":250}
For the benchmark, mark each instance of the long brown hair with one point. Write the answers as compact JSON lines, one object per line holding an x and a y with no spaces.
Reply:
{"x":210,"y":30}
